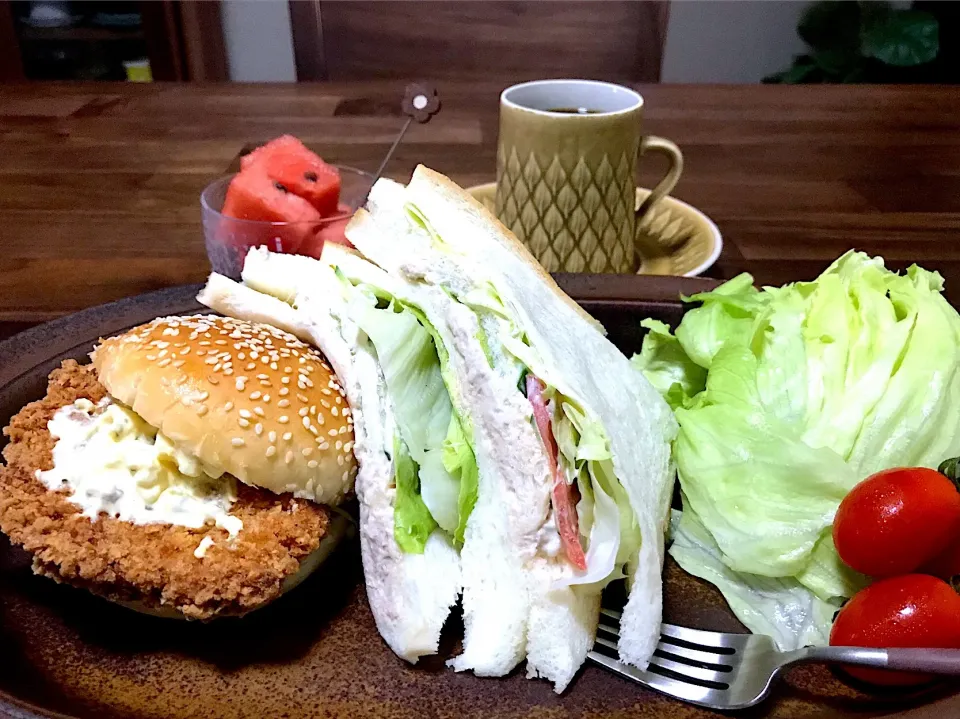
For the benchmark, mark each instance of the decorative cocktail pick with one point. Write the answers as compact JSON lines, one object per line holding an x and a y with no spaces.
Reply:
{"x":420,"y":103}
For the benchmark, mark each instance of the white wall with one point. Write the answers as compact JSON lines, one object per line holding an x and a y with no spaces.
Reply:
{"x":258,"y":40}
{"x":730,"y":41}
{"x":707,"y":40}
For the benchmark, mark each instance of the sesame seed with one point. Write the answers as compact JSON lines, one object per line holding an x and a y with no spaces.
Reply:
{"x":178,"y":363}
{"x":211,"y":361}
{"x":228,"y":371}
{"x":251,"y":365}
{"x":339,"y":460}
{"x":237,"y":442}
{"x":217,"y":367}
{"x":326,"y":391}
{"x":285,"y":380}
{"x":264,"y":359}
{"x":332,"y":433}
{"x":306,"y":423}
{"x":322,"y":445}
{"x":287,"y":436}
{"x":289,"y":457}
{"x":243,"y":422}
{"x":313,"y":464}
{"x":255,"y":395}
{"x":303,"y":412}
{"x":343,"y":430}
{"x":283,"y":403}
{"x":339,"y":400}
{"x":345,"y":477}
{"x":241,"y":356}
{"x":272,"y":436}
{"x":203,"y":395}
{"x":284,"y":391}
{"x":185,"y":351}
{"x":220,"y":342}
{"x":258,"y":411}
{"x":152,"y":358}
{"x":273,"y":366}
{"x":202,"y":409}
{"x":266,"y":399}
{"x":287,"y":370}
{"x":240,"y":384}
{"x":302,"y":397}
{"x":306,"y":451}
{"x":245,"y":413}
{"x":283,"y":419}
{"x":271,"y":450}
{"x":163,"y":363}
{"x":338,"y":445}
{"x":347,"y":446}
{"x":258,"y":428}
{"x":334,"y":411}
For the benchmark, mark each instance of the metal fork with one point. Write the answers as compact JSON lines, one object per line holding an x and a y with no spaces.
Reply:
{"x":736,"y":671}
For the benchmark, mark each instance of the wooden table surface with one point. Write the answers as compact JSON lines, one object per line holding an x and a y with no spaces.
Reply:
{"x":100,"y":183}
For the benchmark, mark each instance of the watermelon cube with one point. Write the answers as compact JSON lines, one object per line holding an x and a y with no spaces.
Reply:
{"x":288,"y":161}
{"x":252,"y":195}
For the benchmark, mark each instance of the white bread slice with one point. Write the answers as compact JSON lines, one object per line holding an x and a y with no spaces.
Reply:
{"x":560,"y":622}
{"x":590,"y":370}
{"x":512,"y":504}
{"x":410,"y":595}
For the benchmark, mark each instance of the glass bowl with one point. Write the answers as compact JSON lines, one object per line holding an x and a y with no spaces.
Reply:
{"x":228,"y":239}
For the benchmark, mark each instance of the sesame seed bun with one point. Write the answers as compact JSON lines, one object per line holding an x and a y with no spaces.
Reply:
{"x":244,"y":398}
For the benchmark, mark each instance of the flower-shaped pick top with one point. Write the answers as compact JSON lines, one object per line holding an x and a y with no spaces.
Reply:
{"x":420,"y":101}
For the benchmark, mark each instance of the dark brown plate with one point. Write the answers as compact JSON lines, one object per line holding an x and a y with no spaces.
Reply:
{"x":316,"y":651}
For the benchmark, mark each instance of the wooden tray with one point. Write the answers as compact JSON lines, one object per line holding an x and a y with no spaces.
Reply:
{"x":316,"y":652}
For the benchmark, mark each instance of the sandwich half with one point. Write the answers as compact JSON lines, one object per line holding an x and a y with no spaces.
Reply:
{"x":605,"y":425}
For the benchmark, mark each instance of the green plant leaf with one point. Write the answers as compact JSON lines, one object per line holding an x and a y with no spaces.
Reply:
{"x":903,"y":39}
{"x":837,"y":61}
{"x":831,"y":25}
{"x":801,"y":71}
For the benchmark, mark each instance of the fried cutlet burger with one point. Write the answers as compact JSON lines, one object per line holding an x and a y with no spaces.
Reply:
{"x":188,"y":471}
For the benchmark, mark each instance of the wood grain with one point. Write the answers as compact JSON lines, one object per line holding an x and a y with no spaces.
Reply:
{"x":203,"y":48}
{"x":306,"y":24}
{"x":460,"y":39}
{"x":100,"y":183}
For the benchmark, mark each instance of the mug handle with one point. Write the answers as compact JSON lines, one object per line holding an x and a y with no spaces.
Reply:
{"x":653,"y":143}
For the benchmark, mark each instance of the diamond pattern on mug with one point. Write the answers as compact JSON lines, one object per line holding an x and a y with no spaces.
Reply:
{"x":570,"y":218}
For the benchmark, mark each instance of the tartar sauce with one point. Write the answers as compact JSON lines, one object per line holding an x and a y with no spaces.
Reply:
{"x":113,"y":462}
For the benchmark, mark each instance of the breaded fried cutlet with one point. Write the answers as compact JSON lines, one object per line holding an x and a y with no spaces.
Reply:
{"x":153,"y":565}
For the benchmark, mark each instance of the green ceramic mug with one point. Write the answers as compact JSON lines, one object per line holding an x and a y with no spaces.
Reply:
{"x":566,"y":168}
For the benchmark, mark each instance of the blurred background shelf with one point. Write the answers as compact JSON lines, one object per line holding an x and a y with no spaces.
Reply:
{"x":79,"y":32}
{"x":90,"y":40}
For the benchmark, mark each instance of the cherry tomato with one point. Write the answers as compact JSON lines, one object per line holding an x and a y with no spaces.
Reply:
{"x":896,"y":521}
{"x":913,"y":610}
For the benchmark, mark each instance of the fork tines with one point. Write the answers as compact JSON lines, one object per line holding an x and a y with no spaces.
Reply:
{"x":689,"y":664}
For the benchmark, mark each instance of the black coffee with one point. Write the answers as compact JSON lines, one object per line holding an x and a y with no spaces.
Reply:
{"x":575,"y":110}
